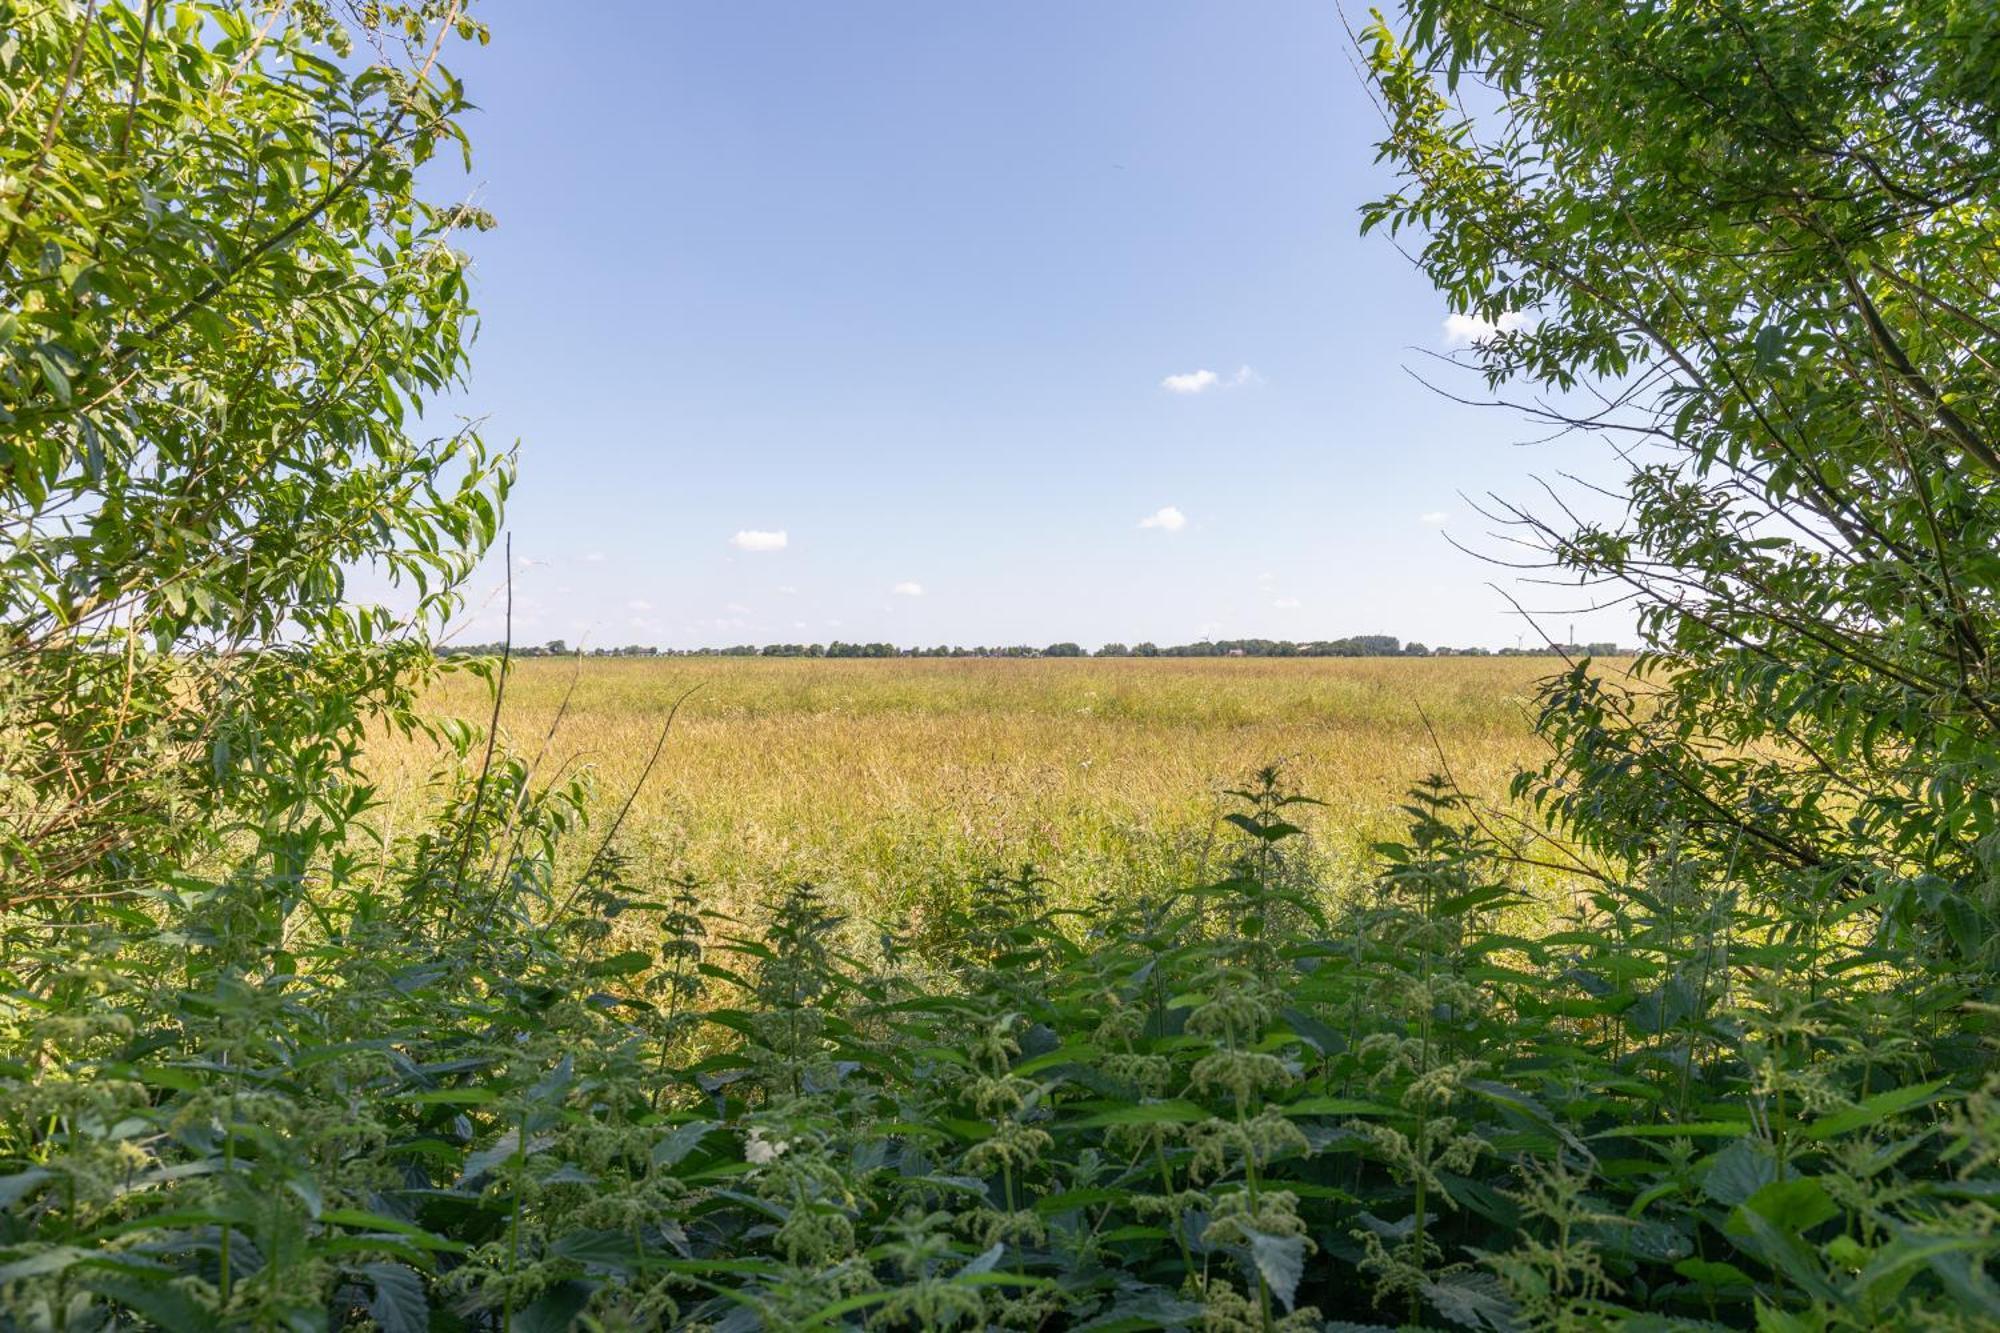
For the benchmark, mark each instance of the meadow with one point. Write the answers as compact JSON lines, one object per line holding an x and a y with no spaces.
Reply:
{"x":897,"y":783}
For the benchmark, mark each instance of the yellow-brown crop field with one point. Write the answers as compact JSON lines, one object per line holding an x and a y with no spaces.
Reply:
{"x":897,"y":781}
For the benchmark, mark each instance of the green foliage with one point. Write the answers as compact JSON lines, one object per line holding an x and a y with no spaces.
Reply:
{"x":266,"y":1063}
{"x":1244,"y":1108}
{"x":1754,"y":243}
{"x":225,"y":306}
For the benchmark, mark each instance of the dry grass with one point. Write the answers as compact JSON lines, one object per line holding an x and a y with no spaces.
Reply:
{"x":896,"y":781}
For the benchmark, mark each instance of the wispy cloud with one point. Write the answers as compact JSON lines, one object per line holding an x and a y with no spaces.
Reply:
{"x":787,"y":589}
{"x":908,"y":588}
{"x":1195,"y":381}
{"x":594,"y":558}
{"x":1470,"y":330}
{"x":1288,"y":604}
{"x":1167,"y":518}
{"x":750,"y":539}
{"x":1201,"y":381}
{"x":1434,"y":519}
{"x":638,"y":604}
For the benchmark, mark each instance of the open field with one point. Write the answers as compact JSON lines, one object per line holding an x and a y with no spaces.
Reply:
{"x":895,"y":781}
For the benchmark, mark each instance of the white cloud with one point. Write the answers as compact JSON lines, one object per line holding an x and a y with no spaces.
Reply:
{"x":1470,"y":330}
{"x":737,"y":609}
{"x":638,"y":604}
{"x":787,"y":589}
{"x":1201,"y":381}
{"x":1195,"y":381}
{"x":1288,"y":603}
{"x":1168,"y":518}
{"x":908,"y":589}
{"x":1434,"y":519}
{"x":594,"y":558}
{"x":752,"y":540}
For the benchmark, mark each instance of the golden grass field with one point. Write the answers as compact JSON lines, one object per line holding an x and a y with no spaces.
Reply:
{"x":894,"y":781}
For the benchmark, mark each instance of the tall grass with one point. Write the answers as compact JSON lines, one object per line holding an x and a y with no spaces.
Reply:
{"x":893,"y":782}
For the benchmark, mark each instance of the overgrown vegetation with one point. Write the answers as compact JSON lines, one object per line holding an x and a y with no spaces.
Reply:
{"x":264,"y":1070}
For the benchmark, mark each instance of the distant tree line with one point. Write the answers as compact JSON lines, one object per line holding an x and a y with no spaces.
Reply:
{"x":1359,"y":645}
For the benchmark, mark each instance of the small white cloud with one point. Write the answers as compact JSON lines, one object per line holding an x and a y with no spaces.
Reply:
{"x":908,"y":589}
{"x":1288,"y":604}
{"x":1470,"y":330}
{"x":787,"y":589}
{"x":752,"y":540}
{"x":594,"y":558}
{"x":1195,"y":381}
{"x":1434,"y":519}
{"x":1201,"y":381}
{"x":798,"y":624}
{"x":1167,"y":518}
{"x":1267,"y":577}
{"x":737,"y":609}
{"x":638,"y":604}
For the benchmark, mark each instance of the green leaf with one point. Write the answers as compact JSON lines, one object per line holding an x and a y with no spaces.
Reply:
{"x":1335,"y":1106}
{"x":984,"y":1262}
{"x":1474,"y":1300}
{"x":615,"y":1250}
{"x":15,"y":1188}
{"x":1144,"y":1113}
{"x":627,"y":964}
{"x":555,"y":1310}
{"x":683,"y":1140}
{"x":1797,"y":1205}
{"x":1739,"y":1171}
{"x":1281,"y":1262}
{"x":396,"y":1300}
{"x":1693,"y":1129}
{"x":1710,"y":1273}
{"x":1875,"y":1109}
{"x":42,"y":1261}
{"x":169,"y":1307}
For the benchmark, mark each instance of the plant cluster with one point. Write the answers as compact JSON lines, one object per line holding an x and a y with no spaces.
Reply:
{"x":1244,"y":1106}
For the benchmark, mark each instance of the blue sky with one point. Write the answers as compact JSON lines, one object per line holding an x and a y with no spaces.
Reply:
{"x":916,"y":284}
